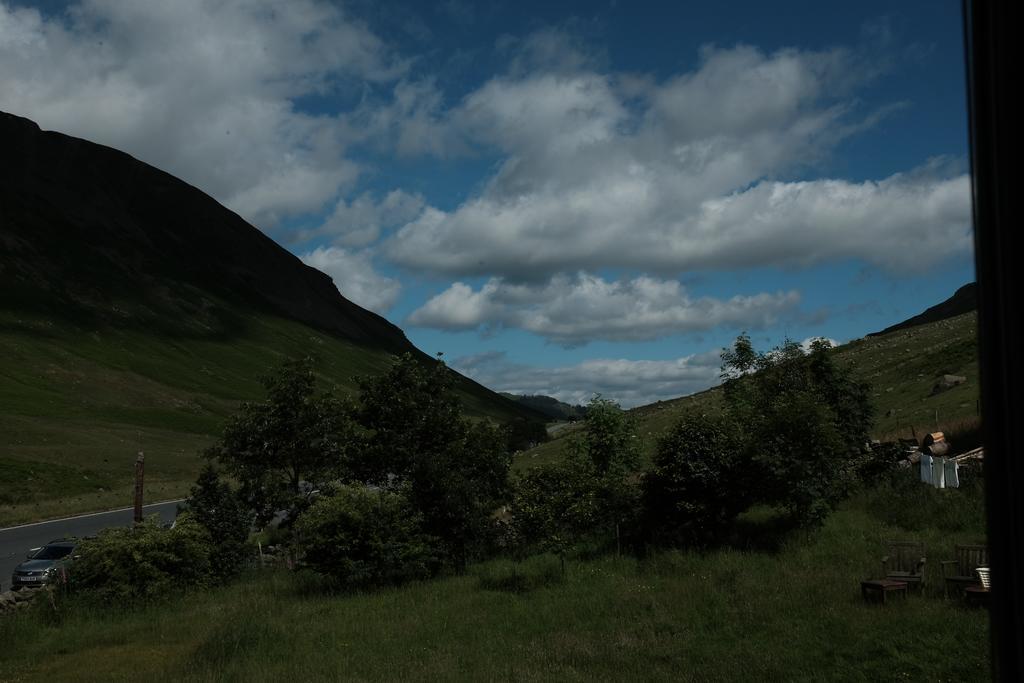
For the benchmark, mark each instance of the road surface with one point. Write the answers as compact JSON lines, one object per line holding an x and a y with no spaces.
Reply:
{"x":16,"y":541}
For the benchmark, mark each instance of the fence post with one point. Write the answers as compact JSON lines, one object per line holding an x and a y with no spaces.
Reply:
{"x":139,"y":467}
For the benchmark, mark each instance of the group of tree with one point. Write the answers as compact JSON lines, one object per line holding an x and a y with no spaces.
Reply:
{"x":406,"y":486}
{"x":791,"y":433}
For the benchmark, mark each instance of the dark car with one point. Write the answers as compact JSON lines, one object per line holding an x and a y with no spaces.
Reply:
{"x":43,"y":564}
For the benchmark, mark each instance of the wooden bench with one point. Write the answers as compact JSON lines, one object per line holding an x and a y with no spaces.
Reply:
{"x":881,"y":587}
{"x":905,"y":562}
{"x":961,"y":572}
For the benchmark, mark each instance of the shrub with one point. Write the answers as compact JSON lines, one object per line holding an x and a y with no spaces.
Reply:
{"x":214,"y":505}
{"x":553,"y":506}
{"x":363,"y":537}
{"x":694,"y":491}
{"x":127,"y":565}
{"x":902,"y":500}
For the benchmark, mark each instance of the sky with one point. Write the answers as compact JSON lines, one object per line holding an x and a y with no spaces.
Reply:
{"x":562,"y":198}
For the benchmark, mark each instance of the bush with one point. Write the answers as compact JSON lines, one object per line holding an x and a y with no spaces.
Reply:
{"x":553,"y":506}
{"x":691,"y":494}
{"x":128,"y":565}
{"x":214,"y":505}
{"x":903,"y":501}
{"x":363,"y":537}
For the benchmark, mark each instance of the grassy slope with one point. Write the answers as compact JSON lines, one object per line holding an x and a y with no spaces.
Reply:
{"x":902,"y":367}
{"x":728,"y":615}
{"x":77,"y":405}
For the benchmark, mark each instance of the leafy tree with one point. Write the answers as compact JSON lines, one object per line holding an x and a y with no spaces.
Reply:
{"x":411,"y":413}
{"x":596,"y":489}
{"x":607,"y":455}
{"x":609,"y":439}
{"x":805,"y":423}
{"x":524,"y":434}
{"x":455,"y":472}
{"x":291,"y":436}
{"x":364,"y":537}
{"x":554,"y":506}
{"x":217,"y":507}
{"x":696,"y":487}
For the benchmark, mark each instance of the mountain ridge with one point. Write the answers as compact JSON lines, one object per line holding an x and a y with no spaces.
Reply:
{"x":115,"y":214}
{"x":136,"y":313}
{"x":963,"y":300}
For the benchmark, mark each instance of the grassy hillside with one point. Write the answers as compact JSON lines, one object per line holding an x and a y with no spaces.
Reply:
{"x":902,"y":368}
{"x":136,"y":312}
{"x":791,"y":613}
{"x":77,"y":404}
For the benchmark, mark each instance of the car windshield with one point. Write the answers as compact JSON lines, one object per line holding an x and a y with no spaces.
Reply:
{"x":53,"y":552}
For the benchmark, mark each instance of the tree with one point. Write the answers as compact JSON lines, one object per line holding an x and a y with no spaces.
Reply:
{"x":294,"y":435}
{"x":214,"y":505}
{"x":455,"y":472}
{"x":696,"y":488}
{"x":609,"y":439}
{"x":553,"y":506}
{"x":363,"y":537}
{"x":596,"y":489}
{"x":411,"y":413}
{"x":805,"y":422}
{"x":608,"y":455}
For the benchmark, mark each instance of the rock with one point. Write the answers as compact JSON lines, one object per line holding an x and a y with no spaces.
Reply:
{"x":947,"y":382}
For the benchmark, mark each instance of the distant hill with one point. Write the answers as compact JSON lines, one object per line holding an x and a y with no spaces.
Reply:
{"x":902,"y":368}
{"x":964,"y":300}
{"x":549,"y":406}
{"x":136,"y":312}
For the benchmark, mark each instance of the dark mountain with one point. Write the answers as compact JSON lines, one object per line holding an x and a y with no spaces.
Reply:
{"x":964,"y":300}
{"x":92,"y":233}
{"x":94,"y":236}
{"x":549,"y":406}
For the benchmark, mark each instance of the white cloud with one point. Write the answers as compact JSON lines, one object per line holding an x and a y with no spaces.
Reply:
{"x":202,"y":89}
{"x":630,"y":382}
{"x":605,"y":172}
{"x":574,"y":310}
{"x":355,"y":278}
{"x":805,"y":345}
{"x":359,"y":222}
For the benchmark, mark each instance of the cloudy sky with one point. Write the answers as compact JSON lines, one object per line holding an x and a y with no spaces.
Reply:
{"x":564,"y":198}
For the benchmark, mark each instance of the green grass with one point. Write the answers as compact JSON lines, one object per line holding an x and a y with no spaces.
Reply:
{"x":902,"y":368}
{"x":731,"y":614}
{"x":78,"y":404}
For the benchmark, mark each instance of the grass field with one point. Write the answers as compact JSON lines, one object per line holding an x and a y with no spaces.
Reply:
{"x":902,"y":368}
{"x":76,"y":406}
{"x":788,"y":611}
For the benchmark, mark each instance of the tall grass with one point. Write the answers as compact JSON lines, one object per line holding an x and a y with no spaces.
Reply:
{"x":725,"y":615}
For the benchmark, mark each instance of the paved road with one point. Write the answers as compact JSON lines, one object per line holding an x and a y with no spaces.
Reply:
{"x":16,"y":541}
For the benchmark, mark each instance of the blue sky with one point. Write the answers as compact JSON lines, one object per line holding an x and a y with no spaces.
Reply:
{"x":564,"y":198}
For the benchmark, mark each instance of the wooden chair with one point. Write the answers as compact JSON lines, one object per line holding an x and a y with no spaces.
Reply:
{"x":961,"y":572}
{"x":905,"y":562}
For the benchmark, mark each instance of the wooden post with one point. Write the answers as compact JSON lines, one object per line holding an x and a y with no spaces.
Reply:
{"x":139,"y":467}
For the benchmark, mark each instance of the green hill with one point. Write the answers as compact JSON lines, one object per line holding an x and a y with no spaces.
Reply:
{"x":135,"y":314}
{"x":905,"y":369}
{"x":549,"y":406}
